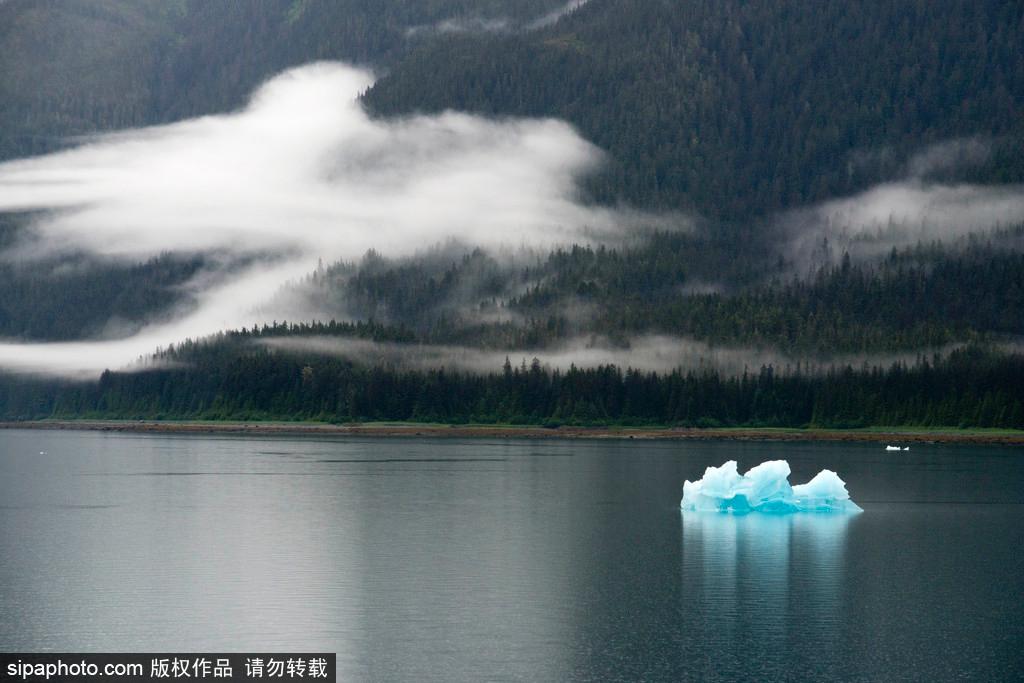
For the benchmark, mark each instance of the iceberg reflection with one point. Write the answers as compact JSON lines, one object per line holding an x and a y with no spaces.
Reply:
{"x":754,"y":578}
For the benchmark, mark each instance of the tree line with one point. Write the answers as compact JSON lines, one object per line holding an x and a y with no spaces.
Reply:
{"x":970,"y":387}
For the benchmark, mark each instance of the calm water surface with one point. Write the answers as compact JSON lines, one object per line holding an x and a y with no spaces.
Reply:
{"x":452,"y":560}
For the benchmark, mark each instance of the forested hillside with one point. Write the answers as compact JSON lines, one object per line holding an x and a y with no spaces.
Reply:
{"x":74,"y":296}
{"x":730,"y":107}
{"x":740,"y":108}
{"x":78,"y":299}
{"x":727,"y":126}
{"x":679,"y":284}
{"x":79,"y":66}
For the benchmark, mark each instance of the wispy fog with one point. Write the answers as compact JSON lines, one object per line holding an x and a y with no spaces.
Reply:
{"x":497,"y":24}
{"x":646,"y":352}
{"x":302,"y":173}
{"x":950,"y":155}
{"x":906,"y":212}
{"x":552,"y":17}
{"x":220,"y":307}
{"x":470,"y":25}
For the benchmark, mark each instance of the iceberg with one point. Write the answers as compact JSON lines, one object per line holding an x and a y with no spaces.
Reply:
{"x":765,"y":488}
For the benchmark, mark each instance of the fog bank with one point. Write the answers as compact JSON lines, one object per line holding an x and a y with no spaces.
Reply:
{"x":300,"y":174}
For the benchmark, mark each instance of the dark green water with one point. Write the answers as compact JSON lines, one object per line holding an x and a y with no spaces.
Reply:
{"x":467,"y":560}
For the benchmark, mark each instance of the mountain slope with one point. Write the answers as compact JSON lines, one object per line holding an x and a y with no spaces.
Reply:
{"x":76,"y":67}
{"x":739,"y":109}
{"x":80,"y":66}
{"x":735,"y":109}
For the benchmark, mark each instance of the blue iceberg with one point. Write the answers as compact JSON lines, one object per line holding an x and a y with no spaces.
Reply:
{"x":765,"y":488}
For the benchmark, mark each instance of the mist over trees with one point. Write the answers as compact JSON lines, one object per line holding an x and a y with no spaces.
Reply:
{"x":728,"y":115}
{"x":80,"y":66}
{"x":923,"y":297}
{"x":739,"y":109}
{"x":735,"y":109}
{"x":969,"y":388}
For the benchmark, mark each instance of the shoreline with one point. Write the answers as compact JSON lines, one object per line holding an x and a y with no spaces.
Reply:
{"x":880,"y":435}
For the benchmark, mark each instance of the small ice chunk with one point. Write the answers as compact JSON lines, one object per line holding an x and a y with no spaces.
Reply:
{"x":765,"y":488}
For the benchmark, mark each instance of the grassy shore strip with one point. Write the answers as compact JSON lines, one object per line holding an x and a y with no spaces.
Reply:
{"x":406,"y":429}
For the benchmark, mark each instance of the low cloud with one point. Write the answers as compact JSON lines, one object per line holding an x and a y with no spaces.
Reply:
{"x":304,"y":169}
{"x":301,"y":173}
{"x":906,"y":212}
{"x":218,"y":308}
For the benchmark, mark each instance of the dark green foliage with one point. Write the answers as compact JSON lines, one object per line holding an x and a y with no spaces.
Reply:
{"x":79,"y":66}
{"x":79,"y":298}
{"x":417,"y":292}
{"x":740,"y":108}
{"x":900,"y":303}
{"x":735,"y":108}
{"x":923,"y":297}
{"x":446,"y":289}
{"x":970,"y":388}
{"x":732,"y":107}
